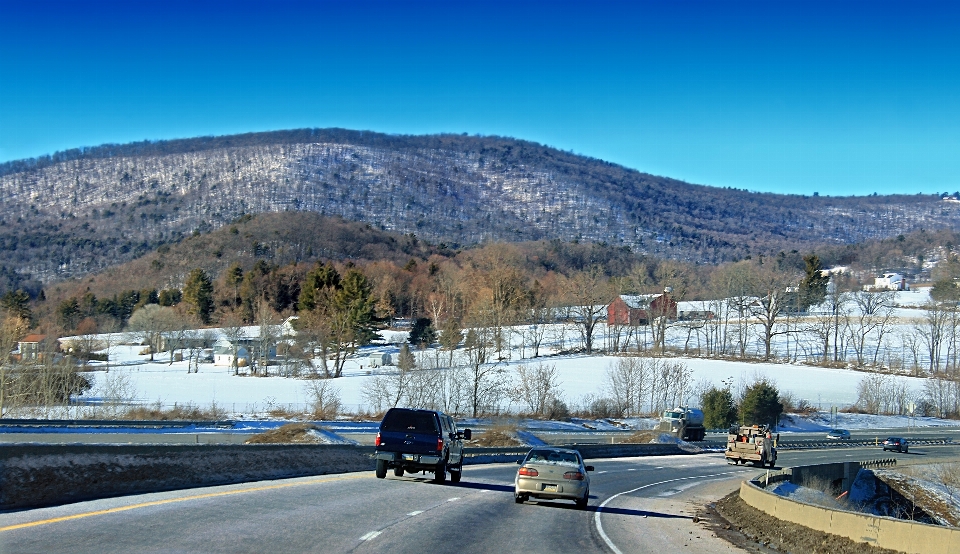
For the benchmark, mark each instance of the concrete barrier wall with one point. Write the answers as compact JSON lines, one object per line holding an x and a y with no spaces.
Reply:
{"x":45,"y":475}
{"x":593,"y":451}
{"x":884,"y":532}
{"x":33,"y":476}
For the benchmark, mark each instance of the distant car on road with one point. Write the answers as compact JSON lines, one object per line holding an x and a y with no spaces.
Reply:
{"x":895,"y":443}
{"x":839,"y":435}
{"x":553,"y":473}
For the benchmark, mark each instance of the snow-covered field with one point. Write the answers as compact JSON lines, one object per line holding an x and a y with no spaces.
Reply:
{"x":132,"y":377}
{"x":579,"y":375}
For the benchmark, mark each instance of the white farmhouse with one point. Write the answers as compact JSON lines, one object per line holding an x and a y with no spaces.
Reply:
{"x":888,"y":281}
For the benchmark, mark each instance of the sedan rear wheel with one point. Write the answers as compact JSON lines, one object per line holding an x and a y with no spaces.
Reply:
{"x":519,"y":498}
{"x":582,"y":502}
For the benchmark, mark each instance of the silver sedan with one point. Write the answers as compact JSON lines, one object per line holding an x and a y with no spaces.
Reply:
{"x":553,"y":473}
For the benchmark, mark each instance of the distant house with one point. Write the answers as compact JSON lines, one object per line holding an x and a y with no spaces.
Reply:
{"x":888,"y":281}
{"x":32,"y":347}
{"x":640,"y":309}
{"x":223,"y":352}
{"x":247,"y":350}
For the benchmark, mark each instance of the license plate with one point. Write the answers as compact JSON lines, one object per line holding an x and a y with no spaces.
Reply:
{"x":409,"y":457}
{"x":549,"y":488}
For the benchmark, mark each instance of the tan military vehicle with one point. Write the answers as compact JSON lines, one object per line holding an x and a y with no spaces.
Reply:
{"x":754,"y":443}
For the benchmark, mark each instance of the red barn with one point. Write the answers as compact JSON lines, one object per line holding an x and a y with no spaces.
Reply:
{"x":640,"y":309}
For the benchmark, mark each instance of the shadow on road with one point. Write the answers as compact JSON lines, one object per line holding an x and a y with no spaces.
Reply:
{"x":461,"y":484}
{"x":606,"y":510}
{"x":552,"y":504}
{"x":636,"y":513}
{"x":485,"y":486}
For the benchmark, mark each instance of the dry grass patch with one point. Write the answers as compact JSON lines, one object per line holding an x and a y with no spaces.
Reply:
{"x":179,"y":412}
{"x":641,"y":437}
{"x":291,"y":433}
{"x":497,"y":436}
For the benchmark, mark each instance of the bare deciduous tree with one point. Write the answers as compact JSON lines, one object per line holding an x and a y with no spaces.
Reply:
{"x":588,"y":294}
{"x":12,"y":329}
{"x":770,"y":286}
{"x":324,"y":398}
{"x":536,"y":387}
{"x":626,"y":384}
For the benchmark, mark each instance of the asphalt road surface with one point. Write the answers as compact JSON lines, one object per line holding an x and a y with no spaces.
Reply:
{"x":636,"y":505}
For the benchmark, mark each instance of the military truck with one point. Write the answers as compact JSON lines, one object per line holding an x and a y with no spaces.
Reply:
{"x":683,"y":422}
{"x":753,"y":444}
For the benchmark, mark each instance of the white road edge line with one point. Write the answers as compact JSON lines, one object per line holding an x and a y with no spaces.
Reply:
{"x":596,"y":515}
{"x":371,"y":535}
{"x":455,"y":498}
{"x":415,"y":513}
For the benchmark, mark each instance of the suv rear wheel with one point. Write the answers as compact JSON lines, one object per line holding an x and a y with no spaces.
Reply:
{"x":440,"y":475}
{"x":398,"y":472}
{"x":381,"y":469}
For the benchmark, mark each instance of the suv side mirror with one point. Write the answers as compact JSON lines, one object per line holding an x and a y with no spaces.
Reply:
{"x":588,"y":468}
{"x":467,"y":434}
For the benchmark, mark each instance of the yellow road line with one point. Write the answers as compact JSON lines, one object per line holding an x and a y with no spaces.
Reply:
{"x":174,"y":500}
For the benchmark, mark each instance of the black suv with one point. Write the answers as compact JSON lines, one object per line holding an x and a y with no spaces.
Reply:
{"x":896,"y":443}
{"x":420,"y":440}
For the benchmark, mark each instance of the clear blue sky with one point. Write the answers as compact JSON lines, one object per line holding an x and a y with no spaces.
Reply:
{"x":794,"y":97}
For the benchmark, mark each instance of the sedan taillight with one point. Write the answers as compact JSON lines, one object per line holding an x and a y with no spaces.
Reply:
{"x":528,"y":472}
{"x":573,"y":476}
{"x":377,"y":441}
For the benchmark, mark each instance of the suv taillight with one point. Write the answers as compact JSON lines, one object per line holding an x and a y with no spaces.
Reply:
{"x":574,"y":475}
{"x":377,"y":441}
{"x":439,"y":444}
{"x":528,"y":472}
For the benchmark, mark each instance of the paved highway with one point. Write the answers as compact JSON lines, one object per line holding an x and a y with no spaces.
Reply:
{"x":636,"y":505}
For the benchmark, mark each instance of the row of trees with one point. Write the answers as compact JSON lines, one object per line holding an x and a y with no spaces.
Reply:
{"x":47,"y":380}
{"x":890,"y":394}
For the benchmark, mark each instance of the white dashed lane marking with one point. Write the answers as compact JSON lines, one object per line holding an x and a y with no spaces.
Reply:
{"x":371,"y":535}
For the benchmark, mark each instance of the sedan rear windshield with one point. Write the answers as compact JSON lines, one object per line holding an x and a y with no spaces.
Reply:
{"x":552,"y":457}
{"x":410,"y":422}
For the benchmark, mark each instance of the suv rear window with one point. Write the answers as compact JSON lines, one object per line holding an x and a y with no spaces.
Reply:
{"x":409,"y":421}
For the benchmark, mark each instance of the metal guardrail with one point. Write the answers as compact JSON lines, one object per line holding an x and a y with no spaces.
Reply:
{"x":888,"y":462}
{"x":826,"y":444}
{"x":73,"y":423}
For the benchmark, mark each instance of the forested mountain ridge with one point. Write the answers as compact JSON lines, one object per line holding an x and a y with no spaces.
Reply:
{"x":81,"y":211}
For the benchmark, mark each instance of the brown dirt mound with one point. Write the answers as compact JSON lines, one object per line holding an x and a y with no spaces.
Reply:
{"x":755,"y":531}
{"x":904,"y":484}
{"x":291,"y":433}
